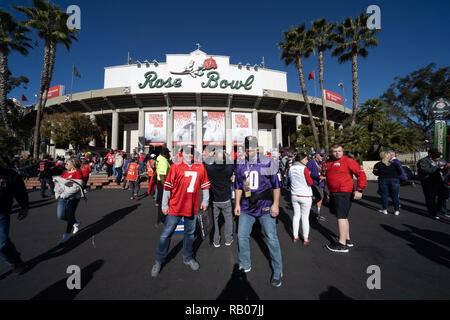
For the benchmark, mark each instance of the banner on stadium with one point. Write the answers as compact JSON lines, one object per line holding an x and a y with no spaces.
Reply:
{"x":333,"y":97}
{"x":155,"y":128}
{"x":213,"y":128}
{"x":184,"y":127}
{"x":55,"y":91}
{"x":241,"y":126}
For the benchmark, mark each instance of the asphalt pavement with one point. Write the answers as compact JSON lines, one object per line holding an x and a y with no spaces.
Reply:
{"x":116,"y":245}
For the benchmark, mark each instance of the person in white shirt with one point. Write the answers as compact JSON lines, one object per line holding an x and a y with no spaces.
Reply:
{"x":301,"y":196}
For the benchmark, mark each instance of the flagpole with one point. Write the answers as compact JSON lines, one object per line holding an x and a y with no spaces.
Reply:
{"x":71,"y":86}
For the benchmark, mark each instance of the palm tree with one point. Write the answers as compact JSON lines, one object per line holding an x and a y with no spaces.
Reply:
{"x":298,"y":45}
{"x":50,"y":23}
{"x":353,"y":37}
{"x":322,"y":33}
{"x":12,"y":38}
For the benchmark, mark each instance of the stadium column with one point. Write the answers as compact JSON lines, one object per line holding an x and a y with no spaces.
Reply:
{"x":169,"y":132}
{"x":92,"y":142}
{"x":255,"y":123}
{"x":115,"y":130}
{"x":298,"y":121}
{"x":279,"y":133}
{"x":141,"y":130}
{"x":199,"y":127}
{"x":228,"y":136}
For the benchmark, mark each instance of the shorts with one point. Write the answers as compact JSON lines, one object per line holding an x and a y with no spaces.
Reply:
{"x":317,"y":192}
{"x":340,"y":204}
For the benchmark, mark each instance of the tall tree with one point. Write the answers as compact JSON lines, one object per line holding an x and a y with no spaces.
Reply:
{"x":299,"y":45}
{"x":323,"y":36}
{"x":50,"y":23}
{"x":411,"y":96}
{"x":353,"y":38}
{"x":12,"y":38}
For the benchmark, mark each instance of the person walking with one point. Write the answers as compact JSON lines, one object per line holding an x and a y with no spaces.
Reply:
{"x":431,"y":170}
{"x":45,"y":175}
{"x":181,"y":199}
{"x":301,"y":196}
{"x":133,"y":178}
{"x":258,"y":184}
{"x":11,"y":187}
{"x":125,"y":169}
{"x":119,"y":168}
{"x":86,"y":171}
{"x":162,"y":169}
{"x":68,"y":192}
{"x":219,"y":174}
{"x":388,"y":173}
{"x":109,"y":163}
{"x":339,"y":171}
{"x":314,"y":166}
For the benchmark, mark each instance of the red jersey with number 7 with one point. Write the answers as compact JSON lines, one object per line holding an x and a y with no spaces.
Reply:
{"x":184,"y":184}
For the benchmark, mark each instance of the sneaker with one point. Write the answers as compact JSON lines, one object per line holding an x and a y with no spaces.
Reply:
{"x":397,"y":212}
{"x":349,"y":244}
{"x":193,"y":264}
{"x":276,"y":280}
{"x":337,"y":247}
{"x":306,"y":242}
{"x":156,"y":268}
{"x":65,"y":238}
{"x":217,"y":245}
{"x":383,"y":211}
{"x":296,"y":239}
{"x":245,"y":270}
{"x":76,"y":227}
{"x":229,"y":243}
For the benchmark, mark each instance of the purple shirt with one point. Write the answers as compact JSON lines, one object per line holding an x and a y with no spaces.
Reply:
{"x":263,"y":175}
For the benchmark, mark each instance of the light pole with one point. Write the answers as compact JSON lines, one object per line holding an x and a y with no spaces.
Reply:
{"x":341,"y":84}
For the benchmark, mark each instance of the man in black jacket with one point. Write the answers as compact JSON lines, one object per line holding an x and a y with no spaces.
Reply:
{"x":431,"y":171}
{"x":219,"y":173}
{"x":11,"y":186}
{"x":45,"y":175}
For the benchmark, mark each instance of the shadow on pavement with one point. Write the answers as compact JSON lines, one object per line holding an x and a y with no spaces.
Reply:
{"x":82,"y":236}
{"x":422,"y":246}
{"x":333,"y":294}
{"x":238,"y":287}
{"x":59,"y":290}
{"x":377,"y":200}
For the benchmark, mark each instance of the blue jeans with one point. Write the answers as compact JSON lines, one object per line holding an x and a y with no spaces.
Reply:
{"x":8,"y":251}
{"x":188,"y":240}
{"x":269,"y":227}
{"x":50,"y":183}
{"x":66,"y":211}
{"x":390,"y":186}
{"x":119,"y":175}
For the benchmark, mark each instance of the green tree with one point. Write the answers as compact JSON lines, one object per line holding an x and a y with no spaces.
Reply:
{"x":12,"y":38}
{"x":353,"y":38}
{"x":303,"y":138}
{"x":323,"y":36}
{"x":411,"y":96}
{"x":50,"y":23}
{"x":76,"y":129}
{"x":299,"y":45}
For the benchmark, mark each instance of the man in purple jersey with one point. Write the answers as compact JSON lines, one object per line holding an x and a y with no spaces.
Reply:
{"x":257,"y":186}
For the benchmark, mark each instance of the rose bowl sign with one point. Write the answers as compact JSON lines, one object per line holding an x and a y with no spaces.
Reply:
{"x":440,"y":109}
{"x":195,"y":72}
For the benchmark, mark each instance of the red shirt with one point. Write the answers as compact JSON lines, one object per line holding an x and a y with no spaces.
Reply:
{"x":340,"y":173}
{"x":110,"y":158}
{"x":72,"y":175}
{"x":132,"y":172}
{"x":85,"y":170}
{"x":142,"y":157}
{"x":184,"y":184}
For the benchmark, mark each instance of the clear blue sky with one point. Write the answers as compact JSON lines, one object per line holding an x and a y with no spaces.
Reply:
{"x":414,"y":34}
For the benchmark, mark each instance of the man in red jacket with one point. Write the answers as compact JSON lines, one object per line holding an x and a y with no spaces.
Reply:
{"x":339,"y":171}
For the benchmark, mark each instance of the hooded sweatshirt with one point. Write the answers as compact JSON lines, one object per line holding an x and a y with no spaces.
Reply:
{"x":220,"y":177}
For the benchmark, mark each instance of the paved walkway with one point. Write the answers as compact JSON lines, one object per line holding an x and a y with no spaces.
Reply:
{"x":115,"y":250}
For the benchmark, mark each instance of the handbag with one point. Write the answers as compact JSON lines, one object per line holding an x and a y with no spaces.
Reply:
{"x":205,"y":221}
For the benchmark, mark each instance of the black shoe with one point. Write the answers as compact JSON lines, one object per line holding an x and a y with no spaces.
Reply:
{"x":276,"y":280}
{"x":19,"y":267}
{"x":337,"y":247}
{"x":349,"y":244}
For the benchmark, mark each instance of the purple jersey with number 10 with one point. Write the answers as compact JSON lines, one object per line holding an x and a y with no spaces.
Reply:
{"x":263,"y":175}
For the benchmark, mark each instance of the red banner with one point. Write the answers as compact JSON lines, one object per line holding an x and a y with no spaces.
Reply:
{"x":55,"y":91}
{"x":333,"y":97}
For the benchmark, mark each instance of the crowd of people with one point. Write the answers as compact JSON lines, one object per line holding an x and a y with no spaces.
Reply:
{"x":245,"y":183}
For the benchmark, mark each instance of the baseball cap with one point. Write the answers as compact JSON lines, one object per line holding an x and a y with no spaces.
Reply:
{"x":319,"y":153}
{"x":434,"y":152}
{"x":251,"y":141}
{"x":189,"y":148}
{"x":152,"y":155}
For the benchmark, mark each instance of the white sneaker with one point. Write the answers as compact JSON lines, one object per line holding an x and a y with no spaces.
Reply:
{"x":397,"y":213}
{"x":383,"y":211}
{"x":65,"y":238}
{"x":76,"y":227}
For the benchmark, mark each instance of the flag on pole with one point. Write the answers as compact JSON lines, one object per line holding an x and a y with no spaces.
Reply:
{"x":75,"y":72}
{"x":311,"y":76}
{"x":24,"y":98}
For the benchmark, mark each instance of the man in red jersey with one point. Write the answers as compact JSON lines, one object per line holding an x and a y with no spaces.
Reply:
{"x":339,"y":171}
{"x":182,"y":187}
